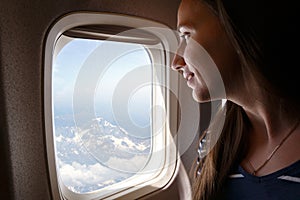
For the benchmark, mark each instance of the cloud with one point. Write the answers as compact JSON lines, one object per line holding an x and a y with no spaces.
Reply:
{"x":83,"y":178}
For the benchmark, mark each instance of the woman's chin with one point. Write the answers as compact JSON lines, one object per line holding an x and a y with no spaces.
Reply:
{"x":201,"y":97}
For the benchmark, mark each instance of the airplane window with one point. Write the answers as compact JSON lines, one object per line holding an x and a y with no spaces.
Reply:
{"x":101,"y":117}
{"x":107,"y":106}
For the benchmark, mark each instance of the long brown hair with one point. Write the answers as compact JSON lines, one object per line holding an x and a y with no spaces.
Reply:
{"x":228,"y":150}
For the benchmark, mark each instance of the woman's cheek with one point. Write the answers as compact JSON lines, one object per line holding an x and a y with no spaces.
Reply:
{"x":203,"y":65}
{"x":190,"y":55}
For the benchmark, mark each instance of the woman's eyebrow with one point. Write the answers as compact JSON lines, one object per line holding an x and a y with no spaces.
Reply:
{"x":181,"y":28}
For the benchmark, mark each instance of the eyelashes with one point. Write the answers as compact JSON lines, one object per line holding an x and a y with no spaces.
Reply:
{"x":185,"y":36}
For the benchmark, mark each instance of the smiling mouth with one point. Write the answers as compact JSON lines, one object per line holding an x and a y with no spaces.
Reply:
{"x":189,"y":76}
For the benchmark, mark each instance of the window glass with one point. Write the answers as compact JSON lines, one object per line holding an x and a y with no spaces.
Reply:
{"x":102,"y":96}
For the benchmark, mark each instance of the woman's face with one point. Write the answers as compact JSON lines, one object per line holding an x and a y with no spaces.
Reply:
{"x":205,"y":56}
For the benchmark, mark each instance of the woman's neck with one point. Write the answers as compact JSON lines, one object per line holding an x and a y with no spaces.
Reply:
{"x":269,"y":125}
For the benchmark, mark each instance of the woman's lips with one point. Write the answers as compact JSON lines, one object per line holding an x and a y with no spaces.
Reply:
{"x":188,"y":76}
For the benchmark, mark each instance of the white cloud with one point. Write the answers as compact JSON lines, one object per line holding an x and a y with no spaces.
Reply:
{"x":59,"y":138}
{"x":84,"y":176}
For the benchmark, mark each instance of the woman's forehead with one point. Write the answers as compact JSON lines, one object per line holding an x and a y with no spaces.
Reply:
{"x":191,"y":13}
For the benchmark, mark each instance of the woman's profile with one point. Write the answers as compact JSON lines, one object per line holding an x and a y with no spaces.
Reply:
{"x":252,"y":44}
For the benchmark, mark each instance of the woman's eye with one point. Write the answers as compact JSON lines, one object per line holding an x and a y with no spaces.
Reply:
{"x":185,"y":36}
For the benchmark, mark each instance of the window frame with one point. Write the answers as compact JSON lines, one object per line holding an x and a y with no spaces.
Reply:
{"x":170,"y":168}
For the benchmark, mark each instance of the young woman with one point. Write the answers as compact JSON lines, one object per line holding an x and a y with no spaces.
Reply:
{"x":253,"y":45}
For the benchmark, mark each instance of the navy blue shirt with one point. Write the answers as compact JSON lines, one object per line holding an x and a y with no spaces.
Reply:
{"x":281,"y":185}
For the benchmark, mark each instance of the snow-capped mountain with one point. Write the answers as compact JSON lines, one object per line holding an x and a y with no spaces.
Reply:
{"x":101,"y":154}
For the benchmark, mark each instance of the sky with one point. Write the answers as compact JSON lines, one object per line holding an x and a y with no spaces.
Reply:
{"x":102,"y":85}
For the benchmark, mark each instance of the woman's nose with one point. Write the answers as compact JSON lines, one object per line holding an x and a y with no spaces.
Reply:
{"x":178,"y":62}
